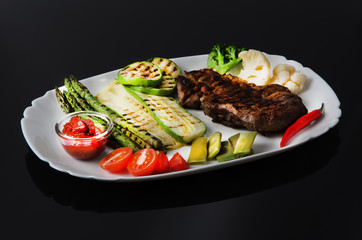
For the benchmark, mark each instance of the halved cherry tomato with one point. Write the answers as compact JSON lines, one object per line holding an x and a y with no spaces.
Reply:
{"x":162,"y":164}
{"x":178,"y":163}
{"x":143,"y":162}
{"x":117,"y":160}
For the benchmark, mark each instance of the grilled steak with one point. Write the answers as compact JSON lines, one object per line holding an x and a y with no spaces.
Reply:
{"x":235,"y":103}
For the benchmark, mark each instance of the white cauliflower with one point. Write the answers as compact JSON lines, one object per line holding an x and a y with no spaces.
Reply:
{"x":255,"y":67}
{"x":287,"y":76}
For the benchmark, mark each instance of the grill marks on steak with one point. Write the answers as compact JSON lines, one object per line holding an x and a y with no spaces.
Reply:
{"x":235,"y":103}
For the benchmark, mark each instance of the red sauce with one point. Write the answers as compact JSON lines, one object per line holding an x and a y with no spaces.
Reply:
{"x":84,"y":146}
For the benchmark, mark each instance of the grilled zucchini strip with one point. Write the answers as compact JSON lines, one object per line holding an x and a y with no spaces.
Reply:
{"x":116,"y":97}
{"x":175,"y":120}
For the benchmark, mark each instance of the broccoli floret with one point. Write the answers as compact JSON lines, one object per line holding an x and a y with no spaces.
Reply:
{"x":223,"y":57}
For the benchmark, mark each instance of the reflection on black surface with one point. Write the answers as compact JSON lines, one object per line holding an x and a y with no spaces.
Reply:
{"x":236,"y":181}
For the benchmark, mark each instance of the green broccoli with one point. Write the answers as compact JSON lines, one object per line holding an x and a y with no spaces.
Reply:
{"x":223,"y":57}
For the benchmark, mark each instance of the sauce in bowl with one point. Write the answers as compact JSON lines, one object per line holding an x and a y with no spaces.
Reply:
{"x":84,"y":135}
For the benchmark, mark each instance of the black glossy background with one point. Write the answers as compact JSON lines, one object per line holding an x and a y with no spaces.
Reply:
{"x":312,"y":192}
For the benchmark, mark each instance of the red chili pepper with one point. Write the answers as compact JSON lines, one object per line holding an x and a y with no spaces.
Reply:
{"x":301,"y":123}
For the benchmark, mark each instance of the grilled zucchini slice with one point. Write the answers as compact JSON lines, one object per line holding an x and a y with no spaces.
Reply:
{"x":166,"y":88}
{"x":167,"y":66}
{"x":141,"y":73}
{"x":117,"y":97}
{"x":174,"y":119}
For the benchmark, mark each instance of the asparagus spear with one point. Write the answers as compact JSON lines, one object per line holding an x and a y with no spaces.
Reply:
{"x":81,"y":101}
{"x":72,"y":101}
{"x":117,"y":119}
{"x":62,"y":101}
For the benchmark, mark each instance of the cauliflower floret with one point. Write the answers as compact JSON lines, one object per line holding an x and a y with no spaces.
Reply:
{"x":287,"y":76}
{"x":255,"y":67}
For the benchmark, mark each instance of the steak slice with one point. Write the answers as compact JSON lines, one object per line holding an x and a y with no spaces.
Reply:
{"x":235,"y":103}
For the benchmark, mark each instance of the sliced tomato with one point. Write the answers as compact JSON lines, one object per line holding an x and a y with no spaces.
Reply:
{"x":178,"y":163}
{"x":162,"y":164}
{"x":143,"y":162}
{"x":117,"y":160}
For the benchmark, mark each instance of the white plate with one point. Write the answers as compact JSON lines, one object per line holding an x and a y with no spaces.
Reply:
{"x":39,"y":120}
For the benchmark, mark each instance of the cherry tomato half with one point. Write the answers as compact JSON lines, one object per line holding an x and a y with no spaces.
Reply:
{"x":117,"y":160}
{"x":162,"y":164}
{"x":143,"y":162}
{"x":178,"y":163}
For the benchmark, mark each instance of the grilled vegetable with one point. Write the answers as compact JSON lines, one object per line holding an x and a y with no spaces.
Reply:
{"x":167,"y":66}
{"x":198,"y":152}
{"x":72,"y":101}
{"x":82,"y":102}
{"x":63,"y":102}
{"x":141,"y":73}
{"x":119,"y":98}
{"x":214,"y":145}
{"x":242,"y":143}
{"x":166,"y":88}
{"x":174,"y":119}
{"x":118,"y":119}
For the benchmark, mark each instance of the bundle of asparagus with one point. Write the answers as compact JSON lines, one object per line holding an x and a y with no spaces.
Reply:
{"x":78,"y":98}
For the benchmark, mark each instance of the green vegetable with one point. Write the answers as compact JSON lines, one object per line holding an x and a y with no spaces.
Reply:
{"x":198,"y":152}
{"x":226,"y":152}
{"x":72,"y":101}
{"x":167,"y":66}
{"x":138,"y":130}
{"x":223,"y":57}
{"x":174,"y":119}
{"x":81,"y":101}
{"x":122,"y":140}
{"x":63,"y":102}
{"x":242,"y":143}
{"x":141,"y":74}
{"x":167,"y":87}
{"x":214,"y":145}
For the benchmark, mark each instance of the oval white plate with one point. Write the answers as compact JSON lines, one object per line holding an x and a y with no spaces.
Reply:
{"x":40,"y":118}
